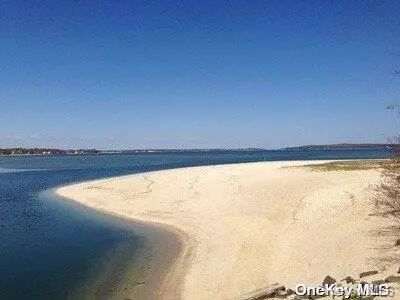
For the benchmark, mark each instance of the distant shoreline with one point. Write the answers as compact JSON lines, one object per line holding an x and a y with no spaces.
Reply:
{"x":344,"y":146}
{"x":56,"y":152}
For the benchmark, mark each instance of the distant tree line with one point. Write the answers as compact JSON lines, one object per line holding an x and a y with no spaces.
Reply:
{"x":44,"y":151}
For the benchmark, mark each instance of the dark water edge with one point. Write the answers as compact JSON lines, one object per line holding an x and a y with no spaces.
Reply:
{"x":131,"y":269}
{"x":52,"y":249}
{"x":134,"y":267}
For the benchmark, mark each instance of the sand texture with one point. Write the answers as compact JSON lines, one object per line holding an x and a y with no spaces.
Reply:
{"x":248,"y":225}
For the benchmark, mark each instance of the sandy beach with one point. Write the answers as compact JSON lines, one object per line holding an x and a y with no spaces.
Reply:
{"x":244,"y":226}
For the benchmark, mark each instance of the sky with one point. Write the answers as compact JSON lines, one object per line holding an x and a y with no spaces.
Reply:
{"x":197,"y":74}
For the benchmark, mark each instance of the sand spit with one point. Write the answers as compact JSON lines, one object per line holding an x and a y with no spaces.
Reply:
{"x":245,"y":226}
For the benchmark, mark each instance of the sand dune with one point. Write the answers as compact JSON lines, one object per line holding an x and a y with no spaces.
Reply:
{"x":249,"y":225}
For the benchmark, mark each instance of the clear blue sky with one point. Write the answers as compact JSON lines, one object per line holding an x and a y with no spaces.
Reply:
{"x":162,"y":74}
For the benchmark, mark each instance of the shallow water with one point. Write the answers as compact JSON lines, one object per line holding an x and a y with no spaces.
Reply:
{"x":50,"y":247}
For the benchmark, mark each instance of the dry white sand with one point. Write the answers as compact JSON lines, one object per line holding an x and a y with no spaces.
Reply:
{"x":248,"y":225}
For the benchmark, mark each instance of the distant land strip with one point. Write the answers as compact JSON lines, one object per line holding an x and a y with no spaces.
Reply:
{"x":50,"y":151}
{"x":53,"y":151}
{"x":45,"y":151}
{"x":343,"y":146}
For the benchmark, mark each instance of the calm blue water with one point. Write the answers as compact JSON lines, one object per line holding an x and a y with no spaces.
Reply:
{"x":48,"y":246}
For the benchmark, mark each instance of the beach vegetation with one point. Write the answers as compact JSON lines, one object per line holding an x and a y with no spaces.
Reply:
{"x":349,"y":165}
{"x":387,"y":198}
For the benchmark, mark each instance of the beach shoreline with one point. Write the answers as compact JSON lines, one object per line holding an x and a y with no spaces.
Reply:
{"x":152,"y":269}
{"x":139,"y":189}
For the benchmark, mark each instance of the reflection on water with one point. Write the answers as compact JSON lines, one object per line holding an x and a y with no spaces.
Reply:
{"x":49,"y":247}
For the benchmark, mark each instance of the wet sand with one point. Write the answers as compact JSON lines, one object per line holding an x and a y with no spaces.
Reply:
{"x":134,"y":269}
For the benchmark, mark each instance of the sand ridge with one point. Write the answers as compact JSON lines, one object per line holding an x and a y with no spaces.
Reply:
{"x":249,"y":225}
